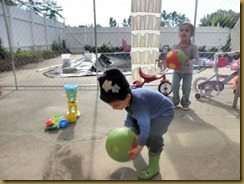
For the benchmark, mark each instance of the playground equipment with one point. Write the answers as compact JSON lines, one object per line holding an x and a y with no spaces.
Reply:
{"x":73,"y":114}
{"x":203,"y":86}
{"x":164,"y":86}
{"x":175,"y":59}
{"x":119,"y":141}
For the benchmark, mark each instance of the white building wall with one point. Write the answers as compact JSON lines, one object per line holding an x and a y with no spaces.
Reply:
{"x":28,"y":30}
{"x":79,"y":37}
{"x":235,"y":37}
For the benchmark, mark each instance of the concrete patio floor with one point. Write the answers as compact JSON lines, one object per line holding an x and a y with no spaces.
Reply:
{"x":201,"y":144}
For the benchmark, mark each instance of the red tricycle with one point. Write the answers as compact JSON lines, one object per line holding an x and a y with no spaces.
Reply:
{"x":164,"y":86}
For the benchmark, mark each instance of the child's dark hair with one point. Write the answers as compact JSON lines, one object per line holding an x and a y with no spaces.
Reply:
{"x":113,"y":85}
{"x":192,"y":28}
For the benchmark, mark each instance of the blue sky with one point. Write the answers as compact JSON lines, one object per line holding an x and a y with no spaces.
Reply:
{"x":80,"y":12}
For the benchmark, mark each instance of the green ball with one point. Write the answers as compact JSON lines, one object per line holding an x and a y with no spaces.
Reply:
{"x":181,"y":57}
{"x":118,"y":142}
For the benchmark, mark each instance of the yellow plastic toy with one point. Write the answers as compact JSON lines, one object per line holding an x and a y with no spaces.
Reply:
{"x":73,"y":114}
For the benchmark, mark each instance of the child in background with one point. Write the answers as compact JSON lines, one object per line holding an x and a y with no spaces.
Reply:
{"x":149,"y":113}
{"x":186,"y":31}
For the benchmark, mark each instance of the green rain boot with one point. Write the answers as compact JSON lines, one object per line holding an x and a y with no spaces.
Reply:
{"x":153,"y":167}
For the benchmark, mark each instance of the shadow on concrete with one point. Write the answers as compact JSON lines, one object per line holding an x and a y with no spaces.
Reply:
{"x":64,"y":134}
{"x":211,"y":101}
{"x":200,"y":151}
{"x":67,"y":133}
{"x":126,"y":173}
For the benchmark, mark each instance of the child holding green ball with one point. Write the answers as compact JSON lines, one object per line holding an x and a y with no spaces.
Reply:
{"x":149,"y":114}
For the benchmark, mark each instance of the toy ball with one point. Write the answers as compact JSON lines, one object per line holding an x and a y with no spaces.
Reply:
{"x":118,"y":142}
{"x":175,"y":59}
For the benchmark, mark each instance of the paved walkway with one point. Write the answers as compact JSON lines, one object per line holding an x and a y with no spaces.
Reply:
{"x":201,"y":144}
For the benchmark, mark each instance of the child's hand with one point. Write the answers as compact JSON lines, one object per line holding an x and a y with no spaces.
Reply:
{"x":134,"y":152}
{"x":187,"y":61}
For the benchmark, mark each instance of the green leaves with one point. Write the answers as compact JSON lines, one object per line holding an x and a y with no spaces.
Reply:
{"x":221,"y":18}
{"x":173,"y":19}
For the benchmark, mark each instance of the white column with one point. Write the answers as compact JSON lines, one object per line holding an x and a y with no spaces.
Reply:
{"x":145,"y":35}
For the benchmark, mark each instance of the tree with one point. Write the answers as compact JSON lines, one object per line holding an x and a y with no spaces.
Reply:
{"x":4,"y":54}
{"x":127,"y":23}
{"x":222,"y":18}
{"x":173,"y":19}
{"x":112,"y":22}
{"x":124,"y":23}
{"x":31,"y":5}
{"x":47,"y":8}
{"x":9,"y":2}
{"x":90,"y":25}
{"x":51,"y":9}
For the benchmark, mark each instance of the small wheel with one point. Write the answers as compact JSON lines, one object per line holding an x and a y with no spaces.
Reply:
{"x":207,"y":88}
{"x":165,"y":88}
{"x":197,"y":96}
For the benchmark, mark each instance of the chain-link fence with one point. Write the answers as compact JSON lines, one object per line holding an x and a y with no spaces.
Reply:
{"x":34,"y":49}
{"x":38,"y":56}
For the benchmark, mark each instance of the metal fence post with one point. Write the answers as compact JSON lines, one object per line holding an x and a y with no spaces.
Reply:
{"x":195,"y":18}
{"x":95,"y":34}
{"x":10,"y":42}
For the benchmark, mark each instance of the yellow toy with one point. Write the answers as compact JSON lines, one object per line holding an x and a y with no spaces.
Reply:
{"x":73,"y":114}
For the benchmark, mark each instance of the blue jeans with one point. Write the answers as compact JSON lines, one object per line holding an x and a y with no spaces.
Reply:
{"x":186,"y":88}
{"x":158,"y":127}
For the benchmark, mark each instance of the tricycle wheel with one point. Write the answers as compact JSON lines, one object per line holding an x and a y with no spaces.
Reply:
{"x":165,"y":88}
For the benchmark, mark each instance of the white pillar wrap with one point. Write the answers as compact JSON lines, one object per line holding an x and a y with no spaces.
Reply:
{"x":145,"y":35}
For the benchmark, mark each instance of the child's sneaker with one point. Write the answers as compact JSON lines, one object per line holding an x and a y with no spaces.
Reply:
{"x":185,"y":107}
